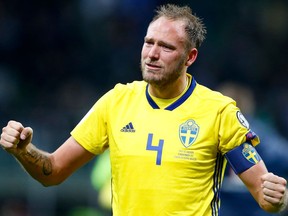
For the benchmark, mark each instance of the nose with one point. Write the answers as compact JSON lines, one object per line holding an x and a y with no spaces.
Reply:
{"x":154,"y":52}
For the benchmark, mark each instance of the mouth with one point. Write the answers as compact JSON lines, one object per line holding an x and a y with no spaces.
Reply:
{"x":152,"y":66}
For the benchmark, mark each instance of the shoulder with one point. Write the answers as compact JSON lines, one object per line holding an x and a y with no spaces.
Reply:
{"x":134,"y":86}
{"x":211,"y":97}
{"x":123,"y":92}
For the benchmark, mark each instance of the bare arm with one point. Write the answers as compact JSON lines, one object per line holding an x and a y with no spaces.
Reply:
{"x":48,"y":169}
{"x":268,"y":190}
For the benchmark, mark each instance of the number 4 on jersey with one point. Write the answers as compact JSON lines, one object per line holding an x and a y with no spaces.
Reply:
{"x":157,"y":148}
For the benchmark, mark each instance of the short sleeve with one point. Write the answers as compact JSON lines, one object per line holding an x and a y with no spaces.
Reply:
{"x":91,"y":131}
{"x":234,"y":129}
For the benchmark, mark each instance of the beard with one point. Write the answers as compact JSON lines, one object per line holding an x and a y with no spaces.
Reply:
{"x":165,"y":75}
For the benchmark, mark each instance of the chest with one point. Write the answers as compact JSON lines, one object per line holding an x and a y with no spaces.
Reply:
{"x":161,"y":136}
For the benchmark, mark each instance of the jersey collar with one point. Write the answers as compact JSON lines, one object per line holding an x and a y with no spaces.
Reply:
{"x":178,"y":102}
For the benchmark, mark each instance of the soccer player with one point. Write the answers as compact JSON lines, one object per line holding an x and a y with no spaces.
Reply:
{"x":169,"y":137}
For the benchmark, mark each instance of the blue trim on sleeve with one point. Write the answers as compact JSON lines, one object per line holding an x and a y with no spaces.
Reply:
{"x":242,"y":157}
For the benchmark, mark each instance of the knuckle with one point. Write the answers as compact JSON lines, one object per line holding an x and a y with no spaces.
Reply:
{"x":3,"y":129}
{"x":14,"y":124}
{"x":11,"y":122}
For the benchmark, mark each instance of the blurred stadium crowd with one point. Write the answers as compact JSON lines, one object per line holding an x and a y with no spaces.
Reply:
{"x":58,"y":57}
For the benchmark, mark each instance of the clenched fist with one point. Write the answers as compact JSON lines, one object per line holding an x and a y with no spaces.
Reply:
{"x":15,"y":137}
{"x":274,"y":190}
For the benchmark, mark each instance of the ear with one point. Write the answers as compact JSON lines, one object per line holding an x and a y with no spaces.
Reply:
{"x":191,"y":57}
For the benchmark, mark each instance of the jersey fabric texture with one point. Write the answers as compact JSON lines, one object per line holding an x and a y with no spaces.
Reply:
{"x":164,"y":161}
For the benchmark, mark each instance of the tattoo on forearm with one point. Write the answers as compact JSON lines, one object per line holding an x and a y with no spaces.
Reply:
{"x":47,"y":167}
{"x":38,"y":158}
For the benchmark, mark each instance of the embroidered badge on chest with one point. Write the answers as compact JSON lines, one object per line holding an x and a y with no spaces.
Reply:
{"x":188,"y":132}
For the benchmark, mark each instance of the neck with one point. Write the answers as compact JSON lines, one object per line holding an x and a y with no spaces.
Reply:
{"x":170,"y":90}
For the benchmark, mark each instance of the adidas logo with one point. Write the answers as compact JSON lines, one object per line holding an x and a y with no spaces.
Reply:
{"x":128,"y":128}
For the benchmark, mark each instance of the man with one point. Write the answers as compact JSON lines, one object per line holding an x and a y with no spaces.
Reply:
{"x":167,"y":135}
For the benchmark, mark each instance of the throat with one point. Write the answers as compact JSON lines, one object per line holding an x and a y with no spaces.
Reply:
{"x":164,"y":102}
{"x":171,"y":91}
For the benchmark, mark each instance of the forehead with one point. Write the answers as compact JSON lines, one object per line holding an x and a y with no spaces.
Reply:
{"x":166,"y":29}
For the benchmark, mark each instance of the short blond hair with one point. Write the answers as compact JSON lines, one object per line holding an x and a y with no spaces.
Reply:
{"x":194,"y":27}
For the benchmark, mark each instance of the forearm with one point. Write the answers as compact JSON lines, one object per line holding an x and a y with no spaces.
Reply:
{"x":16,"y":140}
{"x":269,"y":190}
{"x":37,"y":163}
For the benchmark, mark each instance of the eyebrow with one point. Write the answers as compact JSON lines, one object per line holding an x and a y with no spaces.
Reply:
{"x":161,"y":42}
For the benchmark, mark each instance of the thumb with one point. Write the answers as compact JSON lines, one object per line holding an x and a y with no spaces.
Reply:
{"x":27,"y":132}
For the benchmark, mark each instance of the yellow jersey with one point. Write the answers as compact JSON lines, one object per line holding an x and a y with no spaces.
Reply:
{"x":164,"y":161}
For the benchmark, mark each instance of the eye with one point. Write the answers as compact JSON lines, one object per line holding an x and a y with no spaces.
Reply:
{"x":167,"y":48}
{"x":148,"y":43}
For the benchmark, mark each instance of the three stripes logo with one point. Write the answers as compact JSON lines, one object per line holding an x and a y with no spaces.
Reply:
{"x":128,"y":128}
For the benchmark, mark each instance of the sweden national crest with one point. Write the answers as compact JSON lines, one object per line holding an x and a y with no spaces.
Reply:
{"x":188,"y":132}
{"x":250,"y":153}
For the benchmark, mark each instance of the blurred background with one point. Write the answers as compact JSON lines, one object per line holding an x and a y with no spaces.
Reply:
{"x":58,"y":57}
